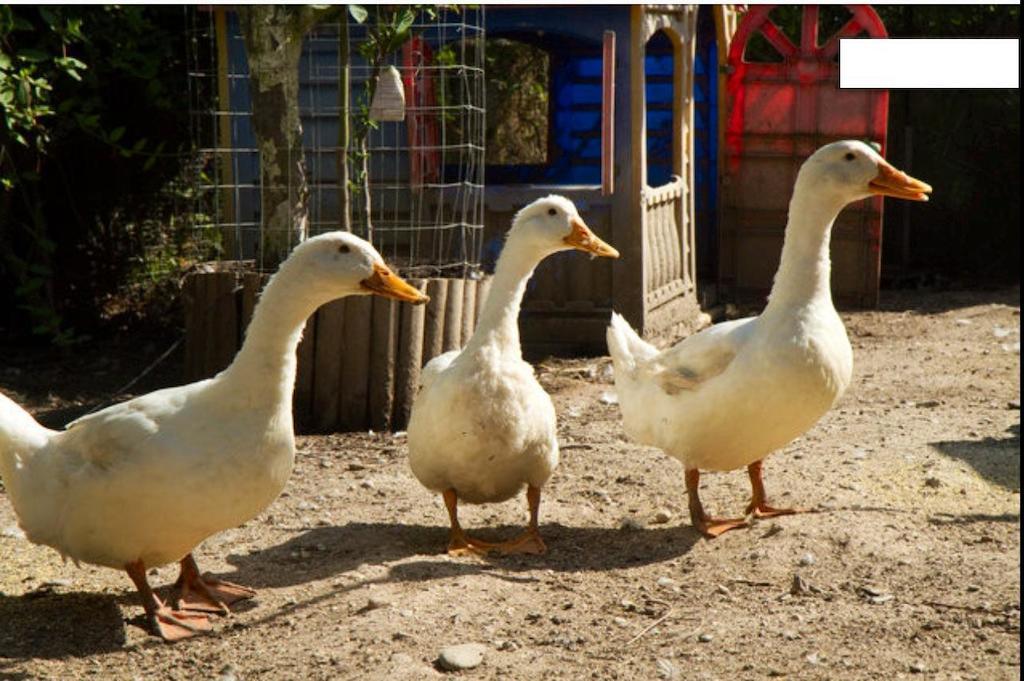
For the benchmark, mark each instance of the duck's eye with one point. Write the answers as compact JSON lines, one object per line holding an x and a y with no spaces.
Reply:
{"x":552,"y":211}
{"x":849,"y":156}
{"x":344,"y":248}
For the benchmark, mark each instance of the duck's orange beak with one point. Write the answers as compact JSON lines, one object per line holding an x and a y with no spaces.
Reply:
{"x":582,"y":239}
{"x":896,"y":183}
{"x":384,"y":282}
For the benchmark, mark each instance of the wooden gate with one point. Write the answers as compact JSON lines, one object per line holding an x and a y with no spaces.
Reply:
{"x":667,"y":211}
{"x":784,"y":103}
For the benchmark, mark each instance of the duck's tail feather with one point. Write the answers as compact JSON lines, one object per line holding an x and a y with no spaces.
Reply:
{"x":19,"y":433}
{"x":626,"y":347}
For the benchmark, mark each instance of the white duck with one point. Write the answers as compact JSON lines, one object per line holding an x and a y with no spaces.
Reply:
{"x":482,"y":427}
{"x":730,"y":395}
{"x":142,"y":483}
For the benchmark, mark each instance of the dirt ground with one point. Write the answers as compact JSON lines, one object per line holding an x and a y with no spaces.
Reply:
{"x":908,"y":569}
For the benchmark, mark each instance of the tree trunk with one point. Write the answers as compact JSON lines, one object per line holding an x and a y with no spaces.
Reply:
{"x":273,"y":41}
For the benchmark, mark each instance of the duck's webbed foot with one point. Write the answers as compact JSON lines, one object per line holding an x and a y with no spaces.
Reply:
{"x":758,"y":506}
{"x":459,"y":543}
{"x":714,"y":527}
{"x":530,"y":541}
{"x":169,"y":624}
{"x":206,"y":594}
{"x":702,"y":522}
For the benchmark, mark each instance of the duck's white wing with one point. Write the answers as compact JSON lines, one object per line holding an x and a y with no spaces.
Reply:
{"x":119,"y":432}
{"x":436,"y":366}
{"x":699,"y":358}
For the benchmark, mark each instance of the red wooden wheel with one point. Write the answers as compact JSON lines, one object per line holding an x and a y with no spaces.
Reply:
{"x":863,"y":20}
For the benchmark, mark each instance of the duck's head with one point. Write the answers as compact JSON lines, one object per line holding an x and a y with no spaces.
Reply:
{"x":849,"y":171}
{"x":337,"y":264}
{"x":552,"y":224}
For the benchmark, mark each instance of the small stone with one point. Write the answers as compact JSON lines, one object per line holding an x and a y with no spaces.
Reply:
{"x":353,"y":466}
{"x":662,"y":516}
{"x":668,"y":670}
{"x":1013,"y":404}
{"x":772,"y":530}
{"x":933,"y":482}
{"x":813,"y":658}
{"x":366,"y":484}
{"x":666,"y":582}
{"x":463,"y":656}
{"x":621,"y":622}
{"x":807,"y":559}
{"x":12,"y":532}
{"x":228,"y":673}
{"x":799,"y":586}
{"x":376,"y":603}
{"x":790,"y":635}
{"x":918,"y":668}
{"x":608,"y":397}
{"x":705,"y":638}
{"x":510,"y":646}
{"x":723,"y":589}
{"x":630,"y":523}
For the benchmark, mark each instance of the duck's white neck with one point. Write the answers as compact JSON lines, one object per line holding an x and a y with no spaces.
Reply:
{"x":264,"y":369}
{"x":498,"y":325}
{"x":805,"y":267}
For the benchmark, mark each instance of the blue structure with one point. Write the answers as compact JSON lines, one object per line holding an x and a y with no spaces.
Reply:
{"x":571,"y":36}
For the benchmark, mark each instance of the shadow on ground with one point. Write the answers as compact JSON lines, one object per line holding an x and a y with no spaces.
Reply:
{"x":995,"y":459}
{"x":323,"y":552}
{"x":932,"y":301}
{"x":56,"y":625}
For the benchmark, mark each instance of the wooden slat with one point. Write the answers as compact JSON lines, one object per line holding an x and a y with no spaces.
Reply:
{"x":383,"y":344}
{"x":355,"y":364}
{"x":453,"y":315}
{"x":468,"y":310}
{"x":222,"y":309}
{"x":327,"y":354}
{"x":193,"y":296}
{"x":252,"y":286}
{"x":302,"y":398}
{"x":433,"y":324}
{"x":409,"y":357}
{"x":483,"y":289}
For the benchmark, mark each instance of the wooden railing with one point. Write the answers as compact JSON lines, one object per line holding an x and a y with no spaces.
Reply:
{"x":668,"y":256}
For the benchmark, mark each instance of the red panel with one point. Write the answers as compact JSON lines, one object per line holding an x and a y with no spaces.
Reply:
{"x":421,"y":120}
{"x":778,"y":114}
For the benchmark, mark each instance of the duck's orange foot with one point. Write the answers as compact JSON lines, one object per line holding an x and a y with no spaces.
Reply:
{"x":206,"y":594}
{"x":461,"y":545}
{"x":529,"y":542}
{"x":763,"y":510}
{"x":714,"y":527}
{"x":175,"y":625}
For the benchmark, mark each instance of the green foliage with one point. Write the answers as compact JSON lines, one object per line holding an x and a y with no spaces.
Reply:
{"x":518,"y":81}
{"x":32,"y":57}
{"x":93,"y":127}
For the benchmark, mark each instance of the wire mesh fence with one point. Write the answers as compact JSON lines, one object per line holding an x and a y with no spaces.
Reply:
{"x":421,"y":203}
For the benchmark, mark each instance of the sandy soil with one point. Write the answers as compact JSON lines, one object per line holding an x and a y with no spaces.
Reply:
{"x":909,"y":569}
